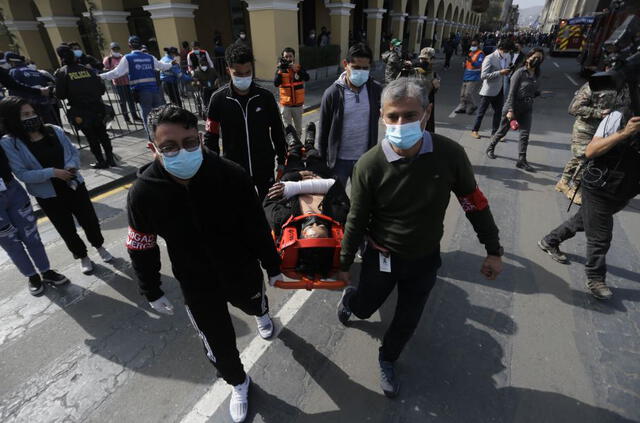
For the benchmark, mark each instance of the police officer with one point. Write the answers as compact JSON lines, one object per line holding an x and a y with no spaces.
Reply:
{"x":141,"y":68}
{"x":85,"y":59}
{"x":32,"y":78}
{"x":589,"y":108}
{"x":83,"y":89}
{"x":610,"y":180}
{"x":290,"y":78}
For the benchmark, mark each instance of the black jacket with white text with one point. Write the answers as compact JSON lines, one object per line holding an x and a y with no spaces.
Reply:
{"x":212,"y":227}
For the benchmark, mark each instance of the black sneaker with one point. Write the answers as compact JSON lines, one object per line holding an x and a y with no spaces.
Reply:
{"x":294,"y":146}
{"x":554,"y":252}
{"x":343,"y":311}
{"x":54,"y":278}
{"x":36,"y":288}
{"x":388,"y":382}
{"x":524,"y":165}
{"x":599,"y":289}
{"x":310,"y":136}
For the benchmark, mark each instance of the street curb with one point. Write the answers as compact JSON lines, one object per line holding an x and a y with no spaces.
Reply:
{"x":311,"y":108}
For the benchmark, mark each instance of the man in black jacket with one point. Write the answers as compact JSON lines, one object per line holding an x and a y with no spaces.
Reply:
{"x":206,"y":210}
{"x":84,"y":90}
{"x":349,"y":114}
{"x":249,"y":119}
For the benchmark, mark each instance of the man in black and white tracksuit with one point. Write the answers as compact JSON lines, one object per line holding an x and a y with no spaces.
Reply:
{"x":206,"y":209}
{"x":248,"y":118}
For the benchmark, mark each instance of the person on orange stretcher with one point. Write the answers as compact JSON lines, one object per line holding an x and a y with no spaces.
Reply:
{"x":307,"y":210}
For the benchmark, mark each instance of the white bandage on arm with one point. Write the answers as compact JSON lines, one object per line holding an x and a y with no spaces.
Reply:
{"x":307,"y":186}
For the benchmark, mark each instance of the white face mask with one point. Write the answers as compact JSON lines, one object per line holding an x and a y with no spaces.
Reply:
{"x":203,"y":68}
{"x":32,"y":67}
{"x":116,"y":54}
{"x":242,"y":82}
{"x":474,"y":48}
{"x":5,"y":65}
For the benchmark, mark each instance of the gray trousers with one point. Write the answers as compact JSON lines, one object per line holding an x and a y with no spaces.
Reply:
{"x":469,"y":96}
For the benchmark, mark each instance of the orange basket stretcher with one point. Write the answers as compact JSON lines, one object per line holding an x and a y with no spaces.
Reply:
{"x":289,"y":247}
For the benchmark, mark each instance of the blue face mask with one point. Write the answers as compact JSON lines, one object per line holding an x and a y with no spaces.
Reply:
{"x":404,"y":136}
{"x":183,"y":165}
{"x":358,"y":77}
{"x":242,"y":82}
{"x":77,"y":53}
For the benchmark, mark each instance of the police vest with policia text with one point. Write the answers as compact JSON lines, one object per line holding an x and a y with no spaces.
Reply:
{"x":291,"y":91}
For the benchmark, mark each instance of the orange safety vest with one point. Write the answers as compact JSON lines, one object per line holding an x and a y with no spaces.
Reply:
{"x":469,"y":63}
{"x":291,"y":91}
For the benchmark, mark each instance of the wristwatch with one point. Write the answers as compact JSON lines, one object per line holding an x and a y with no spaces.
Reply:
{"x":499,"y":252}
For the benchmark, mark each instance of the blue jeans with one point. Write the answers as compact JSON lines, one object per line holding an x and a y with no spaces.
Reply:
{"x":149,"y":100}
{"x":343,"y":169}
{"x":19,"y":229}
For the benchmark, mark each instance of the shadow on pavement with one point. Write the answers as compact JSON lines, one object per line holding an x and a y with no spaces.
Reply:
{"x":449,"y":374}
{"x":347,"y":395}
{"x":531,"y":278}
{"x":133,"y":335}
{"x":512,"y":178}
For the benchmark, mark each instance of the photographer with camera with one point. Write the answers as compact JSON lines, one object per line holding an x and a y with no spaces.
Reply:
{"x":610,"y":181}
{"x":290,"y":78}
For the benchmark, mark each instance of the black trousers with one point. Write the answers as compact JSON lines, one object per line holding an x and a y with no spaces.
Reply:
{"x":61,"y":210}
{"x":496,"y":103}
{"x":595,"y":218}
{"x":96,"y":133}
{"x":171,"y":90}
{"x":524,"y":118}
{"x":209,"y":314}
{"x":414,"y":279}
{"x":447,"y":58}
{"x":311,"y":162}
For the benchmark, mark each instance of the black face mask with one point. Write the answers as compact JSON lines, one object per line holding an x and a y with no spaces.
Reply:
{"x":534,"y":62}
{"x":32,"y":124}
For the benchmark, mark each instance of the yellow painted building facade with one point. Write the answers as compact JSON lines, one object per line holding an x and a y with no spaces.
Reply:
{"x":36,"y":27}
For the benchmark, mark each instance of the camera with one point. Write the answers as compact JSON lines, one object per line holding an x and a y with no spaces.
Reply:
{"x":284,"y":64}
{"x":622,"y":51}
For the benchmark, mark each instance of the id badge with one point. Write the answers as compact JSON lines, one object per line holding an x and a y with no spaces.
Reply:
{"x":3,"y":187}
{"x":385,"y":263}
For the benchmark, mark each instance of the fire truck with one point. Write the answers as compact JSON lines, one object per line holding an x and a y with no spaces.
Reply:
{"x":591,"y":58}
{"x":570,"y":35}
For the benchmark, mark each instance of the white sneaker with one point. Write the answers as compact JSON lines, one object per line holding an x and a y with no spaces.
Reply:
{"x":239,"y":403}
{"x":265,"y":326}
{"x":86,"y":265}
{"x":104,"y":254}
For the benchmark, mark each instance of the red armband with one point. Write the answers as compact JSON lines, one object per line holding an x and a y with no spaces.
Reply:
{"x":138,"y":241}
{"x":476,"y":201}
{"x":212,"y":126}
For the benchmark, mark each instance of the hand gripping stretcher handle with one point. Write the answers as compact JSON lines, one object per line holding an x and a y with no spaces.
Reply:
{"x":310,"y":284}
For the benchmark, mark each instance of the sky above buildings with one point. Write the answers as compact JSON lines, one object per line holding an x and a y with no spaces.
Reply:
{"x":528,"y":3}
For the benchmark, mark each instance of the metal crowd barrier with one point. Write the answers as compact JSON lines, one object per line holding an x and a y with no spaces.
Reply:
{"x":189,"y":95}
